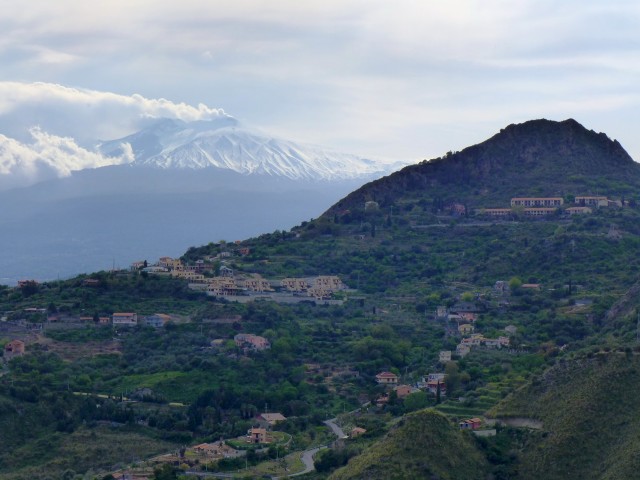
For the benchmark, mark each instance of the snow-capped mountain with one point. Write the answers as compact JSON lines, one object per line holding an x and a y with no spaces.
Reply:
{"x":225,"y":144}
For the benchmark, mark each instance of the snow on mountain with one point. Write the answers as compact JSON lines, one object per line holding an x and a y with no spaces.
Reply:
{"x":223,"y":143}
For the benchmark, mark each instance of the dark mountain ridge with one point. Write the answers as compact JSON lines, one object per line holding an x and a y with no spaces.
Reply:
{"x":559,"y":158}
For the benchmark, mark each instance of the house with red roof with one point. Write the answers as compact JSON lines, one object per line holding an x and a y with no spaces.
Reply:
{"x":387,"y":378}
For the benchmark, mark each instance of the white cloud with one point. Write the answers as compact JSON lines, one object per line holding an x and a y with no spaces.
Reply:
{"x":48,"y":130}
{"x":401,"y":79}
{"x":48,"y":156}
{"x":85,"y":115}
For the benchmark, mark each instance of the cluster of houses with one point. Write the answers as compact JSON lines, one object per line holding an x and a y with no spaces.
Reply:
{"x":465,"y":314}
{"x":265,"y":422}
{"x":402,"y":391}
{"x":477,"y":340}
{"x":229,"y":283}
{"x":434,"y":383}
{"x":542,"y":206}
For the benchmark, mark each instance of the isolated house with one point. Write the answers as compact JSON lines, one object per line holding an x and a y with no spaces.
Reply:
{"x":249,"y":341}
{"x":475,"y":339}
{"x":468,"y":316}
{"x":387,"y":378}
{"x":205,"y":449}
{"x":492,"y":343}
{"x":495,"y":212}
{"x":464,"y":307}
{"x":540,"y":211}
{"x":501,"y":287}
{"x":444,"y":356}
{"x":257,"y":435}
{"x":256,"y":283}
{"x":357,"y":431}
{"x":578,"y":210}
{"x":466,"y":329}
{"x":295,"y":284}
{"x":470,"y":424}
{"x":268,"y":420}
{"x":324,"y":286}
{"x":222,"y":286}
{"x":13,"y":349}
{"x":463,"y":350}
{"x":537,"y":201}
{"x":438,"y":384}
{"x":592,"y":201}
{"x":157,"y":320}
{"x":403,"y":391}
{"x":124,"y":319}
{"x":511,"y":329}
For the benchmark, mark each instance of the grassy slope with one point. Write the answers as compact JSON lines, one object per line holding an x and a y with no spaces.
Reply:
{"x":589,"y":412}
{"x":423,"y":445}
{"x":97,"y":449}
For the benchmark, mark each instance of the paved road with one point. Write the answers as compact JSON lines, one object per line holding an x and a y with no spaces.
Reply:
{"x":307,"y":459}
{"x":307,"y":455}
{"x":337,"y":431}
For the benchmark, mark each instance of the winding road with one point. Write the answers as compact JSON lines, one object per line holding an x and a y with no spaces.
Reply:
{"x":337,"y":431}
{"x":307,"y":455}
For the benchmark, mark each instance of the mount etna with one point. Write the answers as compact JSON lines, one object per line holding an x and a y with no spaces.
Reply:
{"x":183,"y":183}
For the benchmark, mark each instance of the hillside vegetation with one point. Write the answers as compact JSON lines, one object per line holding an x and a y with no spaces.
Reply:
{"x":423,"y":445}
{"x":546,"y":297}
{"x":588,"y":407}
{"x":535,"y":158}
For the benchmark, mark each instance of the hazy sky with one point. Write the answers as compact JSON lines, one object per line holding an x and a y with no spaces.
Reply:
{"x":401,"y":80}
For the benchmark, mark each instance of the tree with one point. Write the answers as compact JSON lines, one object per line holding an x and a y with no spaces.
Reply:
{"x":452,"y":379}
{"x":515,"y":284}
{"x":416,"y":401}
{"x":467,"y":297}
{"x":29,"y":288}
{"x":165,"y":472}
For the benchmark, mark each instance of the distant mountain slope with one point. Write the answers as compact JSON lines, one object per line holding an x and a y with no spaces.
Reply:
{"x":423,"y":445}
{"x":588,"y":408}
{"x":183,"y":183}
{"x":99,"y":218}
{"x":539,"y":157}
{"x":225,"y":144}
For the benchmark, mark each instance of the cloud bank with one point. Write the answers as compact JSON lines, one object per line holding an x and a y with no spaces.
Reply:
{"x":85,"y":115}
{"x":405,"y":79}
{"x":46,"y":157}
{"x":49,"y":130}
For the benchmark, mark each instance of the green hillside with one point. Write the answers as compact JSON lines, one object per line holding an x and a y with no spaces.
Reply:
{"x":561,"y":288}
{"x":422,"y":445}
{"x":590,"y":428}
{"x":535,"y":158}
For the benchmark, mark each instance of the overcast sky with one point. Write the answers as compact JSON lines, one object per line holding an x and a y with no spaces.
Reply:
{"x":402,"y":80}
